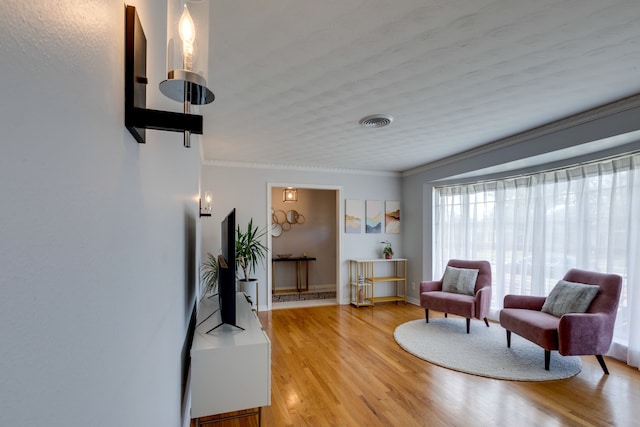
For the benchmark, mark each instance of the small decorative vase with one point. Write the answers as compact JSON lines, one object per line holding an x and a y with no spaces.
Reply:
{"x":388,"y":256}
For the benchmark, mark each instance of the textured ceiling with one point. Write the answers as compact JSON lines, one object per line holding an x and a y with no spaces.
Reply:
{"x":293,"y":78}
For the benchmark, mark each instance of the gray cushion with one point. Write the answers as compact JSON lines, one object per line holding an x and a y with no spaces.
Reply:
{"x":460,"y":280}
{"x":569,"y":297}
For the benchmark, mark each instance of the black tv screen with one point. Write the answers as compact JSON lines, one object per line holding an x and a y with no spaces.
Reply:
{"x":227,"y":276}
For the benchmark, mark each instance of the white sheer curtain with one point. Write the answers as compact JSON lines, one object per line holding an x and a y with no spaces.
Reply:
{"x":534,"y":228}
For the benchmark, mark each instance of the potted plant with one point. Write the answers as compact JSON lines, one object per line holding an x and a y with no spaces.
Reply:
{"x":250,"y":251}
{"x":387,"y":250}
{"x":209,"y":270}
{"x":249,"y":248}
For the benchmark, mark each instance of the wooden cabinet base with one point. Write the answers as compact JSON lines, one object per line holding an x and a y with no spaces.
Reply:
{"x":213,"y":419}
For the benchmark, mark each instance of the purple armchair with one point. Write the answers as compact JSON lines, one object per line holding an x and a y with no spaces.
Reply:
{"x":573,"y":334}
{"x":476,"y":306}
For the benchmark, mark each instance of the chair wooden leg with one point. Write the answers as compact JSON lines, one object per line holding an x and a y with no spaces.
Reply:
{"x":486,"y":322}
{"x":508,"y":338}
{"x":602,"y":364}
{"x":468,"y":324}
{"x":426,"y":314}
{"x":547,"y":359}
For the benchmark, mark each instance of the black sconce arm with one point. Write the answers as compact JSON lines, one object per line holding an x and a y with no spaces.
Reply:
{"x":137,"y":116}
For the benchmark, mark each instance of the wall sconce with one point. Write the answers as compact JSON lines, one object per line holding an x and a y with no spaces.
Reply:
{"x":290,"y":195}
{"x":185,"y":54}
{"x":137,"y":118}
{"x":205,"y":209}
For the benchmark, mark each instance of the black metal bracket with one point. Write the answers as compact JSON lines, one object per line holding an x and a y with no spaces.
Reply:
{"x":137,"y":118}
{"x":200,"y":209}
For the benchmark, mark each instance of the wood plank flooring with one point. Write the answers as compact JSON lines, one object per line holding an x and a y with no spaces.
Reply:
{"x":340,"y":366}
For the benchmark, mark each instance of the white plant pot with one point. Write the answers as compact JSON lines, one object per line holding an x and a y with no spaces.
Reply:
{"x":250,"y":287}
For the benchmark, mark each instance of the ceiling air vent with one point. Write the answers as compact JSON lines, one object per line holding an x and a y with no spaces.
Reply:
{"x":376,"y":121}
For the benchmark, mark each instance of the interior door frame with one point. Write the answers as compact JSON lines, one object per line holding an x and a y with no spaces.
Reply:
{"x":339,"y":226}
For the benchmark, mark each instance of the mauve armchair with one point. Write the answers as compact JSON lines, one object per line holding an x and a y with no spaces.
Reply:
{"x":573,"y":334}
{"x":476,"y":306}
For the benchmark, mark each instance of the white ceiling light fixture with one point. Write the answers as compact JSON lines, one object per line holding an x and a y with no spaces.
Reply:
{"x":376,"y":121}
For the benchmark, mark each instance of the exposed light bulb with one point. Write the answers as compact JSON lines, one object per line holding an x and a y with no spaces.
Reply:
{"x":290,"y":194}
{"x":187,"y":31}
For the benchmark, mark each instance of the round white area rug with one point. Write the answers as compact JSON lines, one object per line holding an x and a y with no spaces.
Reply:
{"x":483,"y":351}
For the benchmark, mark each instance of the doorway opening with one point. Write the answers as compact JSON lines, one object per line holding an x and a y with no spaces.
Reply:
{"x":304,"y":245}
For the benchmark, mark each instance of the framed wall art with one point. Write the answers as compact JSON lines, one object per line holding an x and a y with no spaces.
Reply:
{"x":392,"y":217}
{"x":353,"y":216}
{"x":373,"y":216}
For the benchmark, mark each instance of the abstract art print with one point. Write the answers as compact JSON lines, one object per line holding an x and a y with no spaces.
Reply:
{"x":353,"y":216}
{"x":373,"y":216}
{"x":392,"y":217}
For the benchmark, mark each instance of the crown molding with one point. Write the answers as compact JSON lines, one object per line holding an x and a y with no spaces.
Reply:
{"x":585,"y":117}
{"x":273,"y":166}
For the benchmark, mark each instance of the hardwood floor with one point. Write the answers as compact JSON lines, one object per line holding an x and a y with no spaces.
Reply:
{"x":340,"y":366}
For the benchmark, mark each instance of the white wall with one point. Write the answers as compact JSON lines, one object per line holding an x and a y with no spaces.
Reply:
{"x":98,"y":246}
{"x":246,"y":189}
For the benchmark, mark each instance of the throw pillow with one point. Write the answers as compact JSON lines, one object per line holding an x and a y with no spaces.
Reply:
{"x":460,"y":280}
{"x":569,"y":297}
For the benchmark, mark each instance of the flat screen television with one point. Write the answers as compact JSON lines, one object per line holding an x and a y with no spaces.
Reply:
{"x":227,"y":276}
{"x":227,"y":272}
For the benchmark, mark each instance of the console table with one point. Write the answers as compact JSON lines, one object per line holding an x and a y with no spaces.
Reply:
{"x":300,"y":261}
{"x":367,"y":277}
{"x":230,"y":367}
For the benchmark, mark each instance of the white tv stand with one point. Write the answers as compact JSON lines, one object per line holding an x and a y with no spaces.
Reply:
{"x":230,"y":367}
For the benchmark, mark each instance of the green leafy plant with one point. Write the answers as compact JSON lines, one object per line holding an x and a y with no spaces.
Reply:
{"x":250,"y":249}
{"x":209,"y":270}
{"x":387,"y":249}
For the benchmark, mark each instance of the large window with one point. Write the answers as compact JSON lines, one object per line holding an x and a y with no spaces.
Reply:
{"x":534,"y":228}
